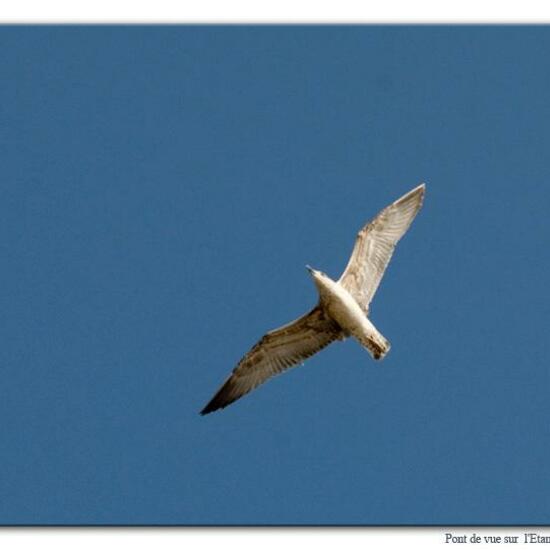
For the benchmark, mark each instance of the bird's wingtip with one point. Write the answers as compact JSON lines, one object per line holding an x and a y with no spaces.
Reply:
{"x":208,"y":409}
{"x":417,"y":194}
{"x":216,"y":403}
{"x":420,"y":188}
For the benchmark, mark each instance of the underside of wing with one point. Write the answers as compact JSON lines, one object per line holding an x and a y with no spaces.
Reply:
{"x":277,"y":351}
{"x":375,"y":244}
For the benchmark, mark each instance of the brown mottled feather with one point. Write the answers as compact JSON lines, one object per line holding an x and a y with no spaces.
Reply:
{"x":276,"y":352}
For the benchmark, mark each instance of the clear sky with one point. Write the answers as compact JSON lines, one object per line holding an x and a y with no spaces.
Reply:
{"x":161,"y":190}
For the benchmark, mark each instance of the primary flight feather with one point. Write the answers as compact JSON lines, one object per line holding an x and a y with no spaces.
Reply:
{"x":342,"y":309}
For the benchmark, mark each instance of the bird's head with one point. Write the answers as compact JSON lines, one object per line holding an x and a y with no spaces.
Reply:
{"x":312,"y":272}
{"x":320,"y":279}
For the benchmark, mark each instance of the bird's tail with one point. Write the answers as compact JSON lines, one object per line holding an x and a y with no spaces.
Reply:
{"x":371,"y":339}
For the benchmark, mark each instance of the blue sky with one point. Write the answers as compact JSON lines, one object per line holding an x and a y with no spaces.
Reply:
{"x":161,"y":192}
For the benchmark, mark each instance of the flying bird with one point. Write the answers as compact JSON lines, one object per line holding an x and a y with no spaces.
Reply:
{"x":342,"y":310}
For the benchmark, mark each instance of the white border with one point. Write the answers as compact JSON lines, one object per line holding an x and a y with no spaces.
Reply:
{"x":281,"y":11}
{"x":257,"y":538}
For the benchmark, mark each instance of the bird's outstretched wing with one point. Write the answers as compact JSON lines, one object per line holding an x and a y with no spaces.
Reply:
{"x":375,"y":244}
{"x":277,"y":351}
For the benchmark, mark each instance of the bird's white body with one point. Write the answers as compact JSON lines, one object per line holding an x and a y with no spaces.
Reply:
{"x":342,"y":307}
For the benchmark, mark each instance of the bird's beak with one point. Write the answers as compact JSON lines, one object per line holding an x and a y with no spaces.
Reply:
{"x":310,"y":269}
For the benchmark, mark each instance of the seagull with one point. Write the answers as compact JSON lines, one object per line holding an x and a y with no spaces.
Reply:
{"x":342,"y":310}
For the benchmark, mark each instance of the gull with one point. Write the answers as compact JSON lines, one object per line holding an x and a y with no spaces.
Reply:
{"x":342,"y":309}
